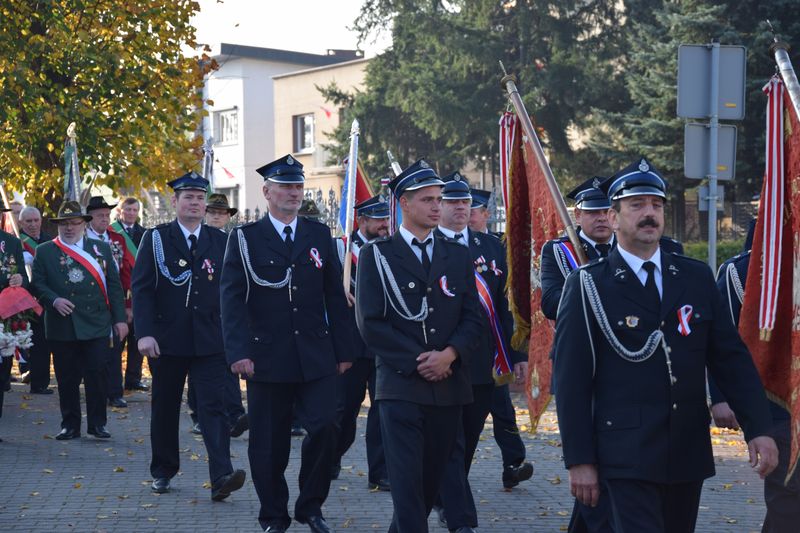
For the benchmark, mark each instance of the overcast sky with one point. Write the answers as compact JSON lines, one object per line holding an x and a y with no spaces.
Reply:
{"x":300,"y":25}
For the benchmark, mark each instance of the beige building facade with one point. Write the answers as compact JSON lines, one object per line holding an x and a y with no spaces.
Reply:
{"x":303,"y":121}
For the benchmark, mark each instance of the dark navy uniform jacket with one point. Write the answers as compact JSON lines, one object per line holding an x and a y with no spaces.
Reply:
{"x":485,"y":248}
{"x":625,"y":417}
{"x":555,"y":267}
{"x":453,"y":319}
{"x":294,"y":334}
{"x":161,"y":307}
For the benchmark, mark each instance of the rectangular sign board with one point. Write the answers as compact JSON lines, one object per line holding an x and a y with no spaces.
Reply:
{"x":696,"y":150}
{"x":694,"y":81}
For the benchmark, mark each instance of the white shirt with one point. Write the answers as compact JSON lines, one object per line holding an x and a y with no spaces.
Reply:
{"x":186,"y":234}
{"x":452,"y":234}
{"x":636,"y":266}
{"x":409,"y":238}
{"x":594,"y":244}
{"x":279,"y":226}
{"x":94,"y":235}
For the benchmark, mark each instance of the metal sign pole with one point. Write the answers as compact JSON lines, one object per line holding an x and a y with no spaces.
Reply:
{"x":713,"y":149}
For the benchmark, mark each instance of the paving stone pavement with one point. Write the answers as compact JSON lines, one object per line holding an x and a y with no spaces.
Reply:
{"x":89,"y":485}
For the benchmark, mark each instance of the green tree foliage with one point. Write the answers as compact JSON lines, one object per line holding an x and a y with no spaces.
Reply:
{"x":436,"y":91}
{"x":117,"y":69}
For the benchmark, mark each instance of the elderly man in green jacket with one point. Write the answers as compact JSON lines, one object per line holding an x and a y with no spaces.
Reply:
{"x":77,"y":283}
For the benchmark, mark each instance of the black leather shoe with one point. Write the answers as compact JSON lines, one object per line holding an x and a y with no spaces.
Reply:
{"x":160,"y":485}
{"x":317,"y":524}
{"x":228,"y":484}
{"x":242,"y":424}
{"x":274,"y":529}
{"x":119,"y":403}
{"x":336,"y":470}
{"x":137,"y":386}
{"x":195,"y":429}
{"x":68,"y":434}
{"x":513,"y":474}
{"x":381,"y":485}
{"x":440,"y":517}
{"x":99,"y":432}
{"x":45,"y":390}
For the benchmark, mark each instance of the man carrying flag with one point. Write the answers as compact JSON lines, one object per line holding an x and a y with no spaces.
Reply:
{"x":493,"y":363}
{"x":75,"y":280}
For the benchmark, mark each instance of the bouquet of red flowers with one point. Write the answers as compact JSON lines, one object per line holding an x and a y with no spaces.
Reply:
{"x":17,"y":308}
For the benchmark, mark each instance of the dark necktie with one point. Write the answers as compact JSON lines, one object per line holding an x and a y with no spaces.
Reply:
{"x":423,"y":247}
{"x":287,"y":230}
{"x":602,"y":249}
{"x":650,"y":287}
{"x":128,"y":229}
{"x":458,"y":237}
{"x":192,"y":244}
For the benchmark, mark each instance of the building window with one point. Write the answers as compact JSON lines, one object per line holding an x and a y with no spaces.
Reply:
{"x":226,"y":126}
{"x":303,"y":126}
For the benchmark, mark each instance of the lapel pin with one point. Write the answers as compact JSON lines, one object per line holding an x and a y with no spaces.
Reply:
{"x":619,"y":272}
{"x":631,"y":321}
{"x":411,"y":285}
{"x":182,"y":262}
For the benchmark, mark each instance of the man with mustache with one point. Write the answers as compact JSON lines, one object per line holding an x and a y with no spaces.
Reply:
{"x":635,"y":334}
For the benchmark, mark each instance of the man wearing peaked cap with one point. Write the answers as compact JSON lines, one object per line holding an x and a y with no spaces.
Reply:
{"x":417,"y":311}
{"x":286,"y":327}
{"x":373,"y":223}
{"x":634,"y":335}
{"x":176,"y":295}
{"x":487,"y":259}
{"x":77,"y":282}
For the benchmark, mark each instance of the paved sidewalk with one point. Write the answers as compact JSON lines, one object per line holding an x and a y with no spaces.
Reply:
{"x":90,"y":485}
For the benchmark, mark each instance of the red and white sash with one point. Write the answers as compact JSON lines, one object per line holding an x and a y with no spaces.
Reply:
{"x":88,"y":262}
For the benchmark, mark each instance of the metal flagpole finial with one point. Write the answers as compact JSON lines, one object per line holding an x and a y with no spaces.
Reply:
{"x":71,"y":130}
{"x":507,"y":78}
{"x":354,"y":129}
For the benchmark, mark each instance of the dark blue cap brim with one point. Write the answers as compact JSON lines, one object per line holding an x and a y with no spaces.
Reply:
{"x":456,"y":195}
{"x":593,"y":204}
{"x":287,"y":178}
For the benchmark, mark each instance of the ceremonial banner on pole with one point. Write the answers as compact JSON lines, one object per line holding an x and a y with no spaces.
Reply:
{"x":363,"y":192}
{"x":532,"y":220}
{"x":770,"y":319}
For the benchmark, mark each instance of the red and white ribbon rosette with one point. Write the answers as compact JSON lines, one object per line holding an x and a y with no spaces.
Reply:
{"x":443,"y":286}
{"x":314,"y":254}
{"x":208,"y":266}
{"x":684,"y":315}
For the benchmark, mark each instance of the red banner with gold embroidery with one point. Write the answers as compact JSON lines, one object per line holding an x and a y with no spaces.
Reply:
{"x":775,"y":343}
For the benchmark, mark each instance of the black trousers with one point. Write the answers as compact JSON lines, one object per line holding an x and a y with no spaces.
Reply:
{"x":38,"y":357}
{"x":232,"y":398}
{"x":5,"y":375}
{"x":358,"y":380}
{"x":133,"y":367}
{"x":114,"y":369}
{"x":73,"y":361}
{"x":270,"y":409}
{"x":169,"y":376}
{"x":783,"y":501}
{"x":644,"y":507}
{"x":418,"y":440}
{"x":455,"y":493}
{"x":506,"y":432}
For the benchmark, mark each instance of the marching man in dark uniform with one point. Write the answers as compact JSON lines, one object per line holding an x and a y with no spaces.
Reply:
{"x":782,"y":499}
{"x":634,"y":336}
{"x":373,"y":222}
{"x":176,"y":284}
{"x":284,"y":316}
{"x":493,"y":360}
{"x":504,"y":417}
{"x":12,"y":274}
{"x":417,"y":310}
{"x":78,"y":285}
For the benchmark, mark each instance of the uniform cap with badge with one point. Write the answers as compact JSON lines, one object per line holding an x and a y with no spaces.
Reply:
{"x":375,"y":207}
{"x":637,"y":179}
{"x":480,"y":198}
{"x":287,"y":169}
{"x":189,"y":181}
{"x":456,"y":187}
{"x":417,"y":176}
{"x":589,"y":197}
